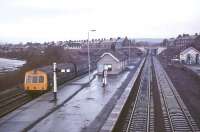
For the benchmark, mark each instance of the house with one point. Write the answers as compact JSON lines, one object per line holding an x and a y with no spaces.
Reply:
{"x":72,"y":45}
{"x":116,"y":62}
{"x":196,"y":43}
{"x":190,"y":56}
{"x":106,"y":44}
{"x":184,"y":41}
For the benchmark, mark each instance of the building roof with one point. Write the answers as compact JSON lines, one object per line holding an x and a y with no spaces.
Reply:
{"x":186,"y":37}
{"x":107,"y":53}
{"x":107,"y":42}
{"x":120,"y":40}
{"x":190,"y":48}
{"x":74,"y":45}
{"x":116,"y":55}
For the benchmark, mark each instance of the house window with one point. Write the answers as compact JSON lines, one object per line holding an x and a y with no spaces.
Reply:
{"x":109,"y":66}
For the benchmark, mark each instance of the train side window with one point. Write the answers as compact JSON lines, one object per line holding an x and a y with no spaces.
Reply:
{"x":28,"y":80}
{"x":41,"y":79}
{"x":34,"y":80}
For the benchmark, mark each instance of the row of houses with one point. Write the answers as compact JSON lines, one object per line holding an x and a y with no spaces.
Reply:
{"x":98,"y":44}
{"x":107,"y":44}
{"x":77,"y":44}
{"x":183,"y":41}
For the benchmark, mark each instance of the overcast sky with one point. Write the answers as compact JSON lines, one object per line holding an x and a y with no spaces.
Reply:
{"x":46,"y":20}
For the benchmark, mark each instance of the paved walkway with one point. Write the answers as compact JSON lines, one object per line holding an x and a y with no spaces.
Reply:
{"x":83,"y":108}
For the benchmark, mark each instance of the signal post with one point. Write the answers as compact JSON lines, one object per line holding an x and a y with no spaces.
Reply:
{"x":55,"y":86}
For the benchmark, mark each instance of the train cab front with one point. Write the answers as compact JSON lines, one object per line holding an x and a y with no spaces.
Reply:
{"x":35,"y":81}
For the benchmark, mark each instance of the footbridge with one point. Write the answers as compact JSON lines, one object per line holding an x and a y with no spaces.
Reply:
{"x":156,"y":49}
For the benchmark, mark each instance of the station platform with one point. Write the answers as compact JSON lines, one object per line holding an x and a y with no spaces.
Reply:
{"x":114,"y":115}
{"x":79,"y":106}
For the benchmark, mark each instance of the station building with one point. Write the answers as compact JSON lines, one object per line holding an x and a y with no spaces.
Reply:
{"x":190,"y":56}
{"x":116,"y":62}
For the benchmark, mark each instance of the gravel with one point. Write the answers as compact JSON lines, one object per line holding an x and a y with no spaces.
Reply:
{"x":187,"y":86}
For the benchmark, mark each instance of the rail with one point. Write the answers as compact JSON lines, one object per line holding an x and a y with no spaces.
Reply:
{"x":141,"y":114}
{"x":179,"y":118}
{"x":12,"y":101}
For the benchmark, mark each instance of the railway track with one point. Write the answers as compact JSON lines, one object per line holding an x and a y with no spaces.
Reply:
{"x":176,"y":115}
{"x":141,"y":115}
{"x":12,"y":100}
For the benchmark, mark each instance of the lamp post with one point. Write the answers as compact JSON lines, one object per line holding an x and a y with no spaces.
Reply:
{"x":129,"y":55}
{"x":89,"y":50}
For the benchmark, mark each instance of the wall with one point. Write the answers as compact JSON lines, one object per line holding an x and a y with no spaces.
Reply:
{"x":183,"y":57}
{"x":116,"y":67}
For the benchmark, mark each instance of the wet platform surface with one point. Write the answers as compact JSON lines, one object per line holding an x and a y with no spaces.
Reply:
{"x":27,"y":114}
{"x":82,"y":109}
{"x":75,"y":115}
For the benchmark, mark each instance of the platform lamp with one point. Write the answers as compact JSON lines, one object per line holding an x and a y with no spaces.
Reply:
{"x":88,"y":46}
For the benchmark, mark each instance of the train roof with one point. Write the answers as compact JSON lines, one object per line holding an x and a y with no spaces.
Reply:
{"x":49,"y":69}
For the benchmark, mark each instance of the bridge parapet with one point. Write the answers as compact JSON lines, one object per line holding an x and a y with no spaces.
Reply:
{"x":144,"y":49}
{"x":159,"y":49}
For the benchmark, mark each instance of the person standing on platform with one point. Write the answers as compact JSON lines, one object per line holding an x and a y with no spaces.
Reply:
{"x":105,"y":71}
